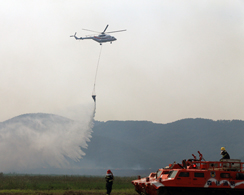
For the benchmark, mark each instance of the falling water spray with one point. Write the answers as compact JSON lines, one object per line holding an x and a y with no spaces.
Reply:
{"x":40,"y":141}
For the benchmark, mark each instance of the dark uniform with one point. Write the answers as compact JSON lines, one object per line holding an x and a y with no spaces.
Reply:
{"x":109,"y":181}
{"x":225,"y":155}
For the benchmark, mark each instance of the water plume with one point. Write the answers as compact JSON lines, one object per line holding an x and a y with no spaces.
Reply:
{"x":39,"y":140}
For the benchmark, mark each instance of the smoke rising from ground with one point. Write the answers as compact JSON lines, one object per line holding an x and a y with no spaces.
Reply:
{"x":33,"y":141}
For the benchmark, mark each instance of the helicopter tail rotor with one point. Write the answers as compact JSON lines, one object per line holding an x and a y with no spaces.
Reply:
{"x":73,"y":35}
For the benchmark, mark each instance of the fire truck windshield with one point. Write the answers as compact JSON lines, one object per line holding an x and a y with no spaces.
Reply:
{"x":158,"y":173}
{"x":172,"y":174}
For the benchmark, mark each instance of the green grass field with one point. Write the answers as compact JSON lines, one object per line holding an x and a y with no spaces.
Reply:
{"x":68,"y":185}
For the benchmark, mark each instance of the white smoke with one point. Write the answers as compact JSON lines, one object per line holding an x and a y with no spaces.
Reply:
{"x":33,"y":141}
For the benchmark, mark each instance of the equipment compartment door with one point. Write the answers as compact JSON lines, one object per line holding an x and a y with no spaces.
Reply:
{"x":183,"y":178}
{"x":198,"y":179}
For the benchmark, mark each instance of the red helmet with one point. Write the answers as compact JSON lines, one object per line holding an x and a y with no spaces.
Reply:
{"x":109,"y":171}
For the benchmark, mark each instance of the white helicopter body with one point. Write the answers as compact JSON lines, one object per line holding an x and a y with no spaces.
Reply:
{"x":101,"y":38}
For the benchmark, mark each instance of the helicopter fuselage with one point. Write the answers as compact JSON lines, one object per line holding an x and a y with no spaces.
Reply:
{"x":104,"y":38}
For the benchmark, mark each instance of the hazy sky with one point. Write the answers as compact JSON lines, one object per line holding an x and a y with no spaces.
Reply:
{"x":177,"y":59}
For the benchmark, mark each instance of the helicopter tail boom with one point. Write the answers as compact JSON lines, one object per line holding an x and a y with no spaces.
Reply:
{"x":76,"y":36}
{"x":80,"y":38}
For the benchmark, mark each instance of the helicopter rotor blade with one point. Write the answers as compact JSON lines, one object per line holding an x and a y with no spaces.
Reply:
{"x":116,"y":31}
{"x":91,"y":30}
{"x":105,"y":29}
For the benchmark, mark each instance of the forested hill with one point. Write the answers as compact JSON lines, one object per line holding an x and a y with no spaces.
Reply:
{"x":143,"y":144}
{"x":122,"y":146}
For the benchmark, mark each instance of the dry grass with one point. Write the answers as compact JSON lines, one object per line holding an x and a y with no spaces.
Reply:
{"x":68,"y":192}
{"x":62,"y":185}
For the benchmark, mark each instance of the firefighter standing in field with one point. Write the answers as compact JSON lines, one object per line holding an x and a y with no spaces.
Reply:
{"x":109,"y":181}
{"x":224,"y":153}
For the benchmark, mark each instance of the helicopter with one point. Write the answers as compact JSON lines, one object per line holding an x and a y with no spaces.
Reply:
{"x":101,"y":38}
